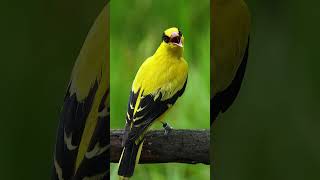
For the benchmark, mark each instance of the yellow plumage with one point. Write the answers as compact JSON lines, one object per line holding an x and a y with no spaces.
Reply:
{"x":231,"y":28}
{"x":159,"y":82}
{"x":93,"y":55}
{"x":82,"y":138}
{"x":159,"y":73}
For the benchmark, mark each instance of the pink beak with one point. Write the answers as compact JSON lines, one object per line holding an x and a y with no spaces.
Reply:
{"x":174,"y":35}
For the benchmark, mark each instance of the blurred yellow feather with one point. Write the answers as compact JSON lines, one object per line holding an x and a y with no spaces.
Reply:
{"x":231,"y":29}
{"x":82,"y":137}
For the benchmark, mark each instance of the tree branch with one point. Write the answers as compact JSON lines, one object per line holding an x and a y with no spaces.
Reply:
{"x":182,"y":146}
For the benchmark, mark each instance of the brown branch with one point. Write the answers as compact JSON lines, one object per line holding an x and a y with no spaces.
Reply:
{"x":182,"y":146}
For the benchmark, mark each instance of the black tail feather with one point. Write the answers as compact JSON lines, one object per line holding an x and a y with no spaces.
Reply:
{"x":128,"y":160}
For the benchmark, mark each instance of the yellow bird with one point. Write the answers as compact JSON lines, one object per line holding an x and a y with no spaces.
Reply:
{"x":231,"y":29}
{"x":82,"y":144}
{"x":160,"y":81}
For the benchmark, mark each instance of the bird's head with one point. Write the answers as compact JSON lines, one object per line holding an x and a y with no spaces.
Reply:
{"x":173,"y":38}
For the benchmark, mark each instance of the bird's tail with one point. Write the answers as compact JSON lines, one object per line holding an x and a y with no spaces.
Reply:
{"x":129,"y":158}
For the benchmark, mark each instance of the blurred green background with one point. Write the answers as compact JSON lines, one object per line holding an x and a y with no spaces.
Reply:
{"x":40,"y":41}
{"x":272,"y":129}
{"x":136,"y":32}
{"x":270,"y":132}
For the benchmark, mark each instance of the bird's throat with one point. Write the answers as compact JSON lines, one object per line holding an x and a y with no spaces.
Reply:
{"x":169,"y":51}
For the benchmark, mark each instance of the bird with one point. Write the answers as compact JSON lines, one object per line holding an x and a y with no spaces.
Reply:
{"x":82,"y":142}
{"x":159,"y":82}
{"x":230,"y":48}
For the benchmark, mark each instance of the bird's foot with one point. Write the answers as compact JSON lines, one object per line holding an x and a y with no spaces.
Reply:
{"x":167,"y":128}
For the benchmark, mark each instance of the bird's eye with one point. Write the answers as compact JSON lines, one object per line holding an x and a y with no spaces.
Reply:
{"x":180,"y":33}
{"x":165,"y":38}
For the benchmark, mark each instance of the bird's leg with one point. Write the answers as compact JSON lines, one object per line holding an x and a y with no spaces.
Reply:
{"x":167,"y":128}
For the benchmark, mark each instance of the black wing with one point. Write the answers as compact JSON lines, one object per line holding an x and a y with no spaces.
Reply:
{"x":149,"y":110}
{"x":223,"y":100}
{"x":96,"y":160}
{"x":72,"y":121}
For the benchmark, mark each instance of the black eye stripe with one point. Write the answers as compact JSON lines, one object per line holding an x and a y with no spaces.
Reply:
{"x":165,"y":38}
{"x":180,"y":33}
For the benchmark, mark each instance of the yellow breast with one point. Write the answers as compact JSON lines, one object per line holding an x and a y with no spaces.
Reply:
{"x":161,"y":73}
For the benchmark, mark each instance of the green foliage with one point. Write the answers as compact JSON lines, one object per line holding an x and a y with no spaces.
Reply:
{"x":136,"y":31}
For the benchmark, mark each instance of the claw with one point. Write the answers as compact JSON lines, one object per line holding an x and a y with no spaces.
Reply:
{"x":167,"y":128}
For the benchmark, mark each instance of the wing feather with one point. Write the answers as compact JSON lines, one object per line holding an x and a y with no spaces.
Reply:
{"x":223,"y":100}
{"x":97,"y":155}
{"x":151,"y":109}
{"x":86,"y":104}
{"x":72,"y":122}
